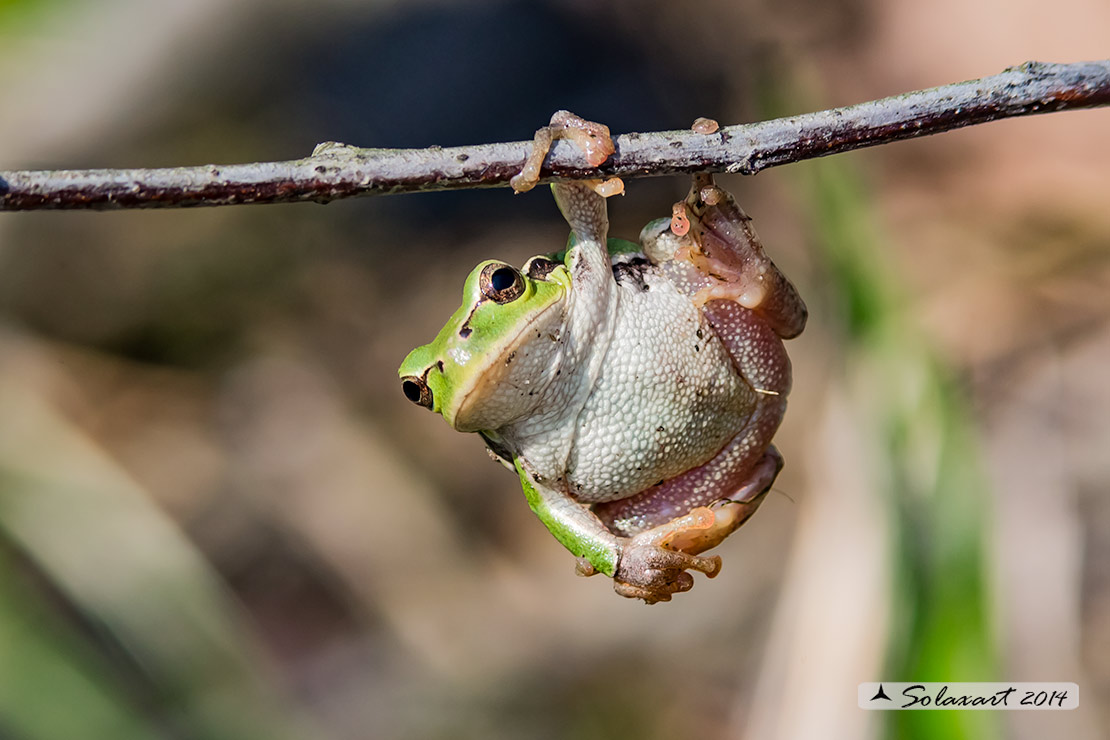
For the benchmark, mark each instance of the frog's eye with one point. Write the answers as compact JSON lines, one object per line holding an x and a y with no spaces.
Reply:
{"x":417,"y":391}
{"x":501,"y":283}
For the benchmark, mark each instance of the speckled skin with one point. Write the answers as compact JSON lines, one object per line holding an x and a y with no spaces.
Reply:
{"x":667,"y":397}
{"x":739,"y":461}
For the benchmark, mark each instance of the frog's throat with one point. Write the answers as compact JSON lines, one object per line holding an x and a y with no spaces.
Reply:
{"x":486,"y":402}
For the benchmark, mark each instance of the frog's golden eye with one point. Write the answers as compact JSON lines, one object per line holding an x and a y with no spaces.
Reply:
{"x":501,"y":283}
{"x":417,"y":390}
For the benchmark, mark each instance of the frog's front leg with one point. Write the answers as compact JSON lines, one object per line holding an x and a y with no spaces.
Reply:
{"x":592,"y":304}
{"x":582,"y":203}
{"x":723,"y":245}
{"x":590,"y":137}
{"x":641,"y":568}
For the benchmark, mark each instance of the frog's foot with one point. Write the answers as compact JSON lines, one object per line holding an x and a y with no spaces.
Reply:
{"x":592,"y":138}
{"x":657,"y":551}
{"x":653,"y":563}
{"x":725,"y":247}
{"x":651,"y":571}
{"x":748,"y":293}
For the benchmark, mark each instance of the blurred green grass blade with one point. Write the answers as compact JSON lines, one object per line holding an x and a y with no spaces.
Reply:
{"x":126,"y":568}
{"x":52,"y":685}
{"x":861,"y":288}
{"x":937,"y":507}
{"x":17,"y":15}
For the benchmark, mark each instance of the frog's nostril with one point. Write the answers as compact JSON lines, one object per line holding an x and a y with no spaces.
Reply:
{"x":417,"y":391}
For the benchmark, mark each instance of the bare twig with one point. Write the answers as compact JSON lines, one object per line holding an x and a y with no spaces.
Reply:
{"x":341,"y":171}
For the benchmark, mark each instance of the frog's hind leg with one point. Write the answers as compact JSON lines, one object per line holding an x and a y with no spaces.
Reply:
{"x":755,"y":347}
{"x":688,"y":513}
{"x":728,"y":248}
{"x":730,"y":513}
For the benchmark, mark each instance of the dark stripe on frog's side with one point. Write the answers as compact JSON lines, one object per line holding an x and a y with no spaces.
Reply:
{"x":464,"y":329}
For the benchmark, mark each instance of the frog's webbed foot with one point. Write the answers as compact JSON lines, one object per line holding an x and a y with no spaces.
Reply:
{"x":650,"y":570}
{"x":591,"y":137}
{"x":724,"y":246}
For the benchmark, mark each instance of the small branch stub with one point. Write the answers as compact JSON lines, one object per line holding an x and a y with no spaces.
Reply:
{"x":341,"y":171}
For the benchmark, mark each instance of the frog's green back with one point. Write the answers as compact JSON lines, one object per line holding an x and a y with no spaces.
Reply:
{"x":613,"y":246}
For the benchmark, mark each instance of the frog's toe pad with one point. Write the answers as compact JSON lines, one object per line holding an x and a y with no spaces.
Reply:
{"x":583,"y":567}
{"x":682,"y":582}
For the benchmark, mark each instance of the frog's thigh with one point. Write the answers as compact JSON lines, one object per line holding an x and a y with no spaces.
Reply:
{"x":757,"y":351}
{"x":735,"y":473}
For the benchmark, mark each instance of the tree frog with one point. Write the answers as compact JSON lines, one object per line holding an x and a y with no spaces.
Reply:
{"x":634,"y":388}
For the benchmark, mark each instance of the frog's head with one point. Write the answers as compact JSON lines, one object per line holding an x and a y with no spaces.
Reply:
{"x":496,"y":354}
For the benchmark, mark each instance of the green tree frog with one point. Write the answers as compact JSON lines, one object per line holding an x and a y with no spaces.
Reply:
{"x":634,"y":388}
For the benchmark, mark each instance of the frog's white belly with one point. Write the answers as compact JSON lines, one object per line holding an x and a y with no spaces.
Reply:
{"x":667,"y":400}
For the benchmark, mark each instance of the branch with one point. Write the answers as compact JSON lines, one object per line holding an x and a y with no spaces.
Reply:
{"x":341,"y":171}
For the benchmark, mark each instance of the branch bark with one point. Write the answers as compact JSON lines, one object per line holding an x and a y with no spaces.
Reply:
{"x":340,"y":171}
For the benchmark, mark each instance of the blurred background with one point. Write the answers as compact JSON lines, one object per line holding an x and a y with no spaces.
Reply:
{"x":219,"y":517}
